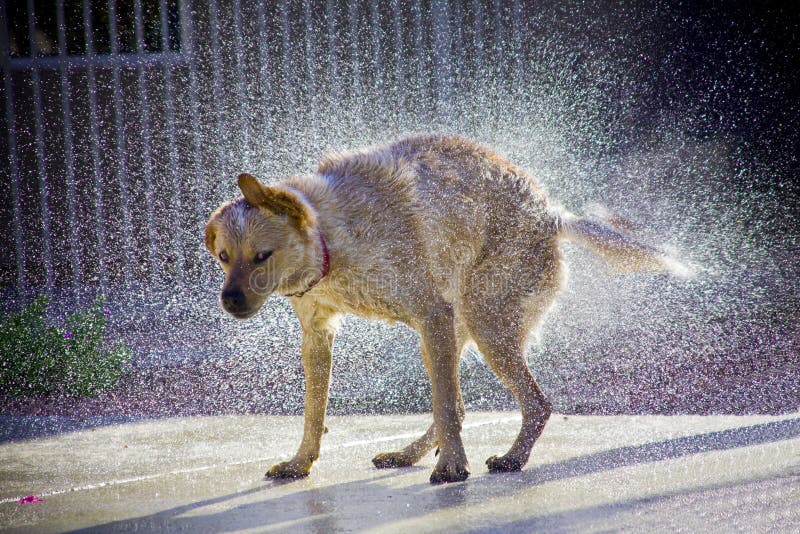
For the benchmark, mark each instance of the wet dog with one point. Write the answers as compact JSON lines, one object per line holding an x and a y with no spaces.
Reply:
{"x":438,"y":232}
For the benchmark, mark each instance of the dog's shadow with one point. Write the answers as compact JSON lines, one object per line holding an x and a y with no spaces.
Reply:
{"x":372,"y":503}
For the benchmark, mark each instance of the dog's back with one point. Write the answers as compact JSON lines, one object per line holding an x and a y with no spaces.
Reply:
{"x":446,"y":199}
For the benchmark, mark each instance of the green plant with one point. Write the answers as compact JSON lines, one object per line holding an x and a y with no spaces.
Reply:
{"x":37,"y":358}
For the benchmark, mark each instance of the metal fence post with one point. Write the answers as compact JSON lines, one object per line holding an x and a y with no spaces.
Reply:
{"x":74,"y":241}
{"x":13,"y":162}
{"x":187,"y":30}
{"x":172,"y":151}
{"x":122,"y":165}
{"x":47,"y":248}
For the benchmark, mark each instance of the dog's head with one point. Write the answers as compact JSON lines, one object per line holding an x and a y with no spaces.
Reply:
{"x":263,"y":243}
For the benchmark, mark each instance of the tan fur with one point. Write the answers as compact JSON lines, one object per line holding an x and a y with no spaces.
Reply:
{"x":438,"y":232}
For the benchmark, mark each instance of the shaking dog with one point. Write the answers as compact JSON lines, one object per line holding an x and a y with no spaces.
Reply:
{"x":438,"y":232}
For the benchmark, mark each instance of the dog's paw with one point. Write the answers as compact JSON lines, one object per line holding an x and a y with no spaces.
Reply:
{"x":289,"y":469}
{"x":449,"y":472}
{"x":503,"y":464}
{"x":387,"y":460}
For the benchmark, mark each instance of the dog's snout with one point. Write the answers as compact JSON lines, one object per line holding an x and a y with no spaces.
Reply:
{"x":233,"y":300}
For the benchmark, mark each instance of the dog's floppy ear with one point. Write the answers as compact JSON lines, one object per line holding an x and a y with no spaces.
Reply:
{"x":252,"y":190}
{"x":211,"y":236}
{"x":278,"y":201}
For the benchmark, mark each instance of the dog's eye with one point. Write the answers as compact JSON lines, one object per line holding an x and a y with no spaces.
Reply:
{"x":263,"y":256}
{"x":223,"y":257}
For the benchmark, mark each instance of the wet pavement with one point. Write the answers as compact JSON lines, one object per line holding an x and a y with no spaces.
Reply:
{"x":587,"y":473}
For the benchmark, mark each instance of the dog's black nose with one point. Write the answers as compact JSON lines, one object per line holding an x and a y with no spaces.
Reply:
{"x":232,"y":300}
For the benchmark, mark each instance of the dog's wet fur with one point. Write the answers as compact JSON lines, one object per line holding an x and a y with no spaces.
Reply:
{"x":438,"y":232}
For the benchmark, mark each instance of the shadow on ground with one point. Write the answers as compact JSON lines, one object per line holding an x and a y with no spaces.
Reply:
{"x":350,"y":504}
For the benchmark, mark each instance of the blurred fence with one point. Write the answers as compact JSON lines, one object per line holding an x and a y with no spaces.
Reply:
{"x":125,"y":120}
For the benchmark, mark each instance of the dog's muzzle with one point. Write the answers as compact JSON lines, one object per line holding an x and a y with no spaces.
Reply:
{"x":233,"y":301}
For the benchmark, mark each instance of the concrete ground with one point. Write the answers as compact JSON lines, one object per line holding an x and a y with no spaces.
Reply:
{"x":587,"y":473}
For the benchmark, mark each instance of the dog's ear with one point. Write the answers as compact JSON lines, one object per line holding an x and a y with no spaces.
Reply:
{"x":211,"y":236}
{"x":278,"y":201}
{"x":252,"y":190}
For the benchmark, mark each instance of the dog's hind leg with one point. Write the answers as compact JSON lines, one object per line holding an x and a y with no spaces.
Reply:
{"x":509,"y":364}
{"x":416,"y":450}
{"x":500,"y":325}
{"x":410,"y":454}
{"x":504,"y":352}
{"x":438,"y":341}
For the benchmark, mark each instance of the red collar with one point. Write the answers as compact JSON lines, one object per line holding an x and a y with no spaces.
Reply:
{"x":326,"y":259}
{"x":326,"y":267}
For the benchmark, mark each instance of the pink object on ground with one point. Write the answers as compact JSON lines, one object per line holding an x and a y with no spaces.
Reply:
{"x":29,"y":499}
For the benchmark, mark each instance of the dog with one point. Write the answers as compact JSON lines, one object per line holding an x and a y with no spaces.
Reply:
{"x":439,"y":232}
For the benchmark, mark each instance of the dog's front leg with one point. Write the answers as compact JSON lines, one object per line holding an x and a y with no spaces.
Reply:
{"x":317,"y":346}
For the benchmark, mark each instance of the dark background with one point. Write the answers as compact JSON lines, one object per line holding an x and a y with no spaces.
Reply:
{"x":682,"y":116}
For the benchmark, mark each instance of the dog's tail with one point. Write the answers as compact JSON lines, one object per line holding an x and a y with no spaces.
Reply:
{"x":621,"y":250}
